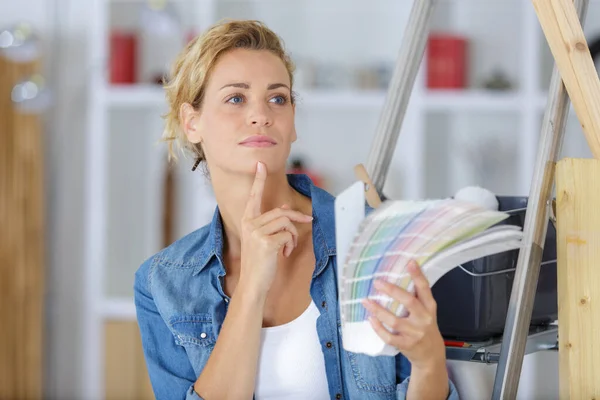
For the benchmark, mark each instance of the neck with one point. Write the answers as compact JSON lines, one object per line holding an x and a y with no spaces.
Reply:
{"x":232,"y":192}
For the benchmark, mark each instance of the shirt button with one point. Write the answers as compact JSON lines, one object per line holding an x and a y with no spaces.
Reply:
{"x":323,"y":304}
{"x":203,"y":335}
{"x":338,"y":396}
{"x":226,"y":300}
{"x":329,"y":345}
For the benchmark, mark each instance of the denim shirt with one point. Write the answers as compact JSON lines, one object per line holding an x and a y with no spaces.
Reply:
{"x":181,"y":305}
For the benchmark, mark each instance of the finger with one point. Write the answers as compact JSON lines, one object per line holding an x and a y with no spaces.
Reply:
{"x":286,"y":207}
{"x":401,"y":342}
{"x":287,"y":250}
{"x":422,"y":287}
{"x":255,"y":197}
{"x":279,"y":224}
{"x":282,"y":240}
{"x":399,"y":325}
{"x":412,"y":304}
{"x":381,"y":331}
{"x":279,"y":212}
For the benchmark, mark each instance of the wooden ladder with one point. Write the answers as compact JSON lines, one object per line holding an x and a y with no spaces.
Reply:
{"x":574,"y":79}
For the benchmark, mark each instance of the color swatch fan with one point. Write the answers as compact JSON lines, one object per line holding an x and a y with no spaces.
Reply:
{"x":439,"y":234}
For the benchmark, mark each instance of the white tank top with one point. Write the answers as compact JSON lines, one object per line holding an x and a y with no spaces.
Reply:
{"x":291,"y":364}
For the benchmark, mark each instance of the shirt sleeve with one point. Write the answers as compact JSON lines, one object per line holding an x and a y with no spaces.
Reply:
{"x":403,"y":390}
{"x":403,"y":369}
{"x":169,"y":368}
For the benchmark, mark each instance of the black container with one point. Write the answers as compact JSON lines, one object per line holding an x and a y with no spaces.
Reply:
{"x":474,"y":308}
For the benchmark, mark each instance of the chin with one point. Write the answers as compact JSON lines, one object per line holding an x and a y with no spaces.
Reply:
{"x":273,"y":164}
{"x":245,"y":164}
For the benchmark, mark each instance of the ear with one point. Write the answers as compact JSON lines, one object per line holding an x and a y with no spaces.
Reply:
{"x":294,"y":134}
{"x":190,"y":122}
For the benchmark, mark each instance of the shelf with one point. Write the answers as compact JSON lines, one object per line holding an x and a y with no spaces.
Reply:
{"x":132,"y":96}
{"x":119,"y":309}
{"x":141,"y":2}
{"x":540,"y":339}
{"x":341,"y":98}
{"x":128,"y":96}
{"x":471,"y":100}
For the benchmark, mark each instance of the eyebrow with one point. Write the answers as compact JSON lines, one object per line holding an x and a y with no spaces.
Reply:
{"x":277,"y":86}
{"x":243,"y":85}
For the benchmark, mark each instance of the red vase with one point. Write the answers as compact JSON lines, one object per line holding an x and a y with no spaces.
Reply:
{"x":123,"y":60}
{"x":446,"y":62}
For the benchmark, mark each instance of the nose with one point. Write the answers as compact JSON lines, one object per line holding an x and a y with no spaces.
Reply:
{"x":259,"y":115}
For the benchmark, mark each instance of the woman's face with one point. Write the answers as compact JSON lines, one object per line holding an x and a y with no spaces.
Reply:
{"x":246,"y":115}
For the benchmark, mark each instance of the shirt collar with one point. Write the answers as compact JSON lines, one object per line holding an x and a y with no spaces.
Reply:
{"x":323,"y":226}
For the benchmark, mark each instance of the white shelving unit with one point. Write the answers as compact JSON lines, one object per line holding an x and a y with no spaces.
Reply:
{"x":125,"y":165}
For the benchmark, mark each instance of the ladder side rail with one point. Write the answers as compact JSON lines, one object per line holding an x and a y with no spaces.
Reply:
{"x":399,"y":91}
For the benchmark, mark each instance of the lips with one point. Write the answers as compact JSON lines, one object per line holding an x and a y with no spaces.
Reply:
{"x":258,"y":141}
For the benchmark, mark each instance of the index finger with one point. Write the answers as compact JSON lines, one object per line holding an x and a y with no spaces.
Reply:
{"x":256,"y":192}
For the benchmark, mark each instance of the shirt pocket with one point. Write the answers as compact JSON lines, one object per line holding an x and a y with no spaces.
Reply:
{"x":375,"y":375}
{"x":195,"y":333}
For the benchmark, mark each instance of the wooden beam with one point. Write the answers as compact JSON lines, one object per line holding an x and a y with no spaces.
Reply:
{"x":578,"y":236}
{"x":563,"y":31}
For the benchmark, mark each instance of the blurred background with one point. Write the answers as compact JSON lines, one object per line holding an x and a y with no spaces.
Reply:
{"x":87,"y":194}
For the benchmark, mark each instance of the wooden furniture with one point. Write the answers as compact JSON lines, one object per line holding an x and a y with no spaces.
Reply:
{"x":22,"y":237}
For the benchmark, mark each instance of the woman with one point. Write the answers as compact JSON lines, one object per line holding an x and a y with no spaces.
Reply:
{"x":247,"y":305}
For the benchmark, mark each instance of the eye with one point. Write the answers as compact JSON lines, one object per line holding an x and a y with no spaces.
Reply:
{"x":235,"y":99}
{"x":279,"y":100}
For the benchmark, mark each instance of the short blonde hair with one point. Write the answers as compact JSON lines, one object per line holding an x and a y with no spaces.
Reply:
{"x":191,"y":70}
